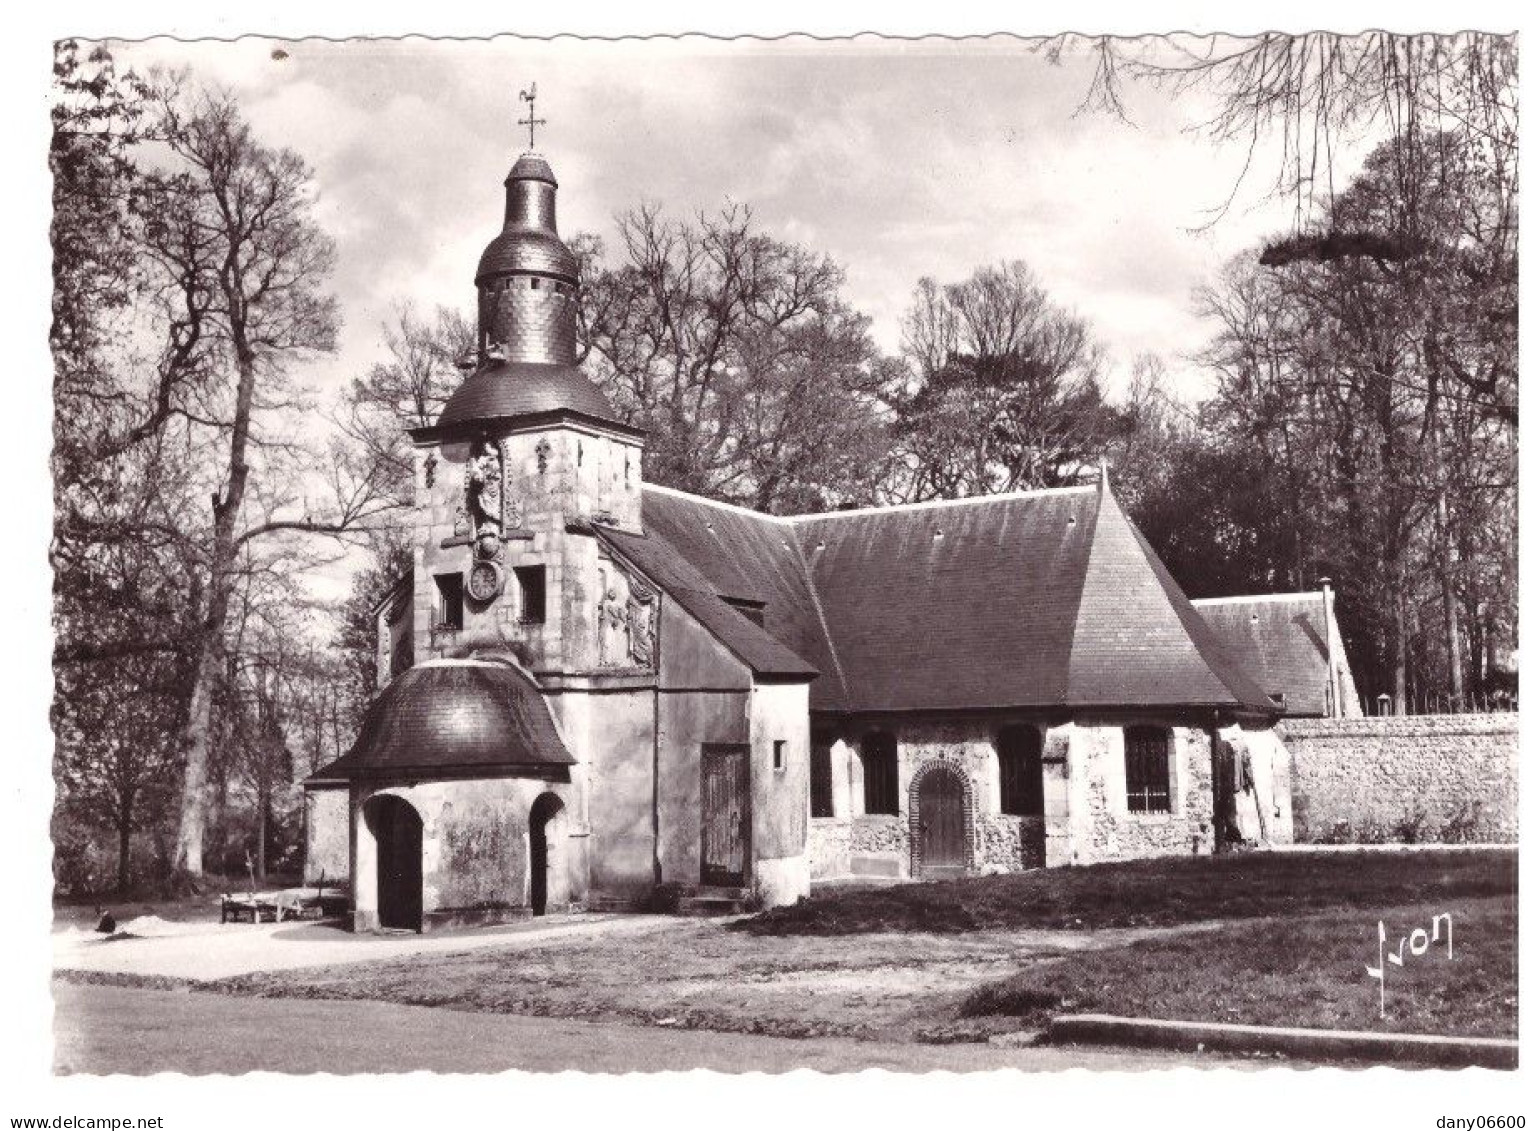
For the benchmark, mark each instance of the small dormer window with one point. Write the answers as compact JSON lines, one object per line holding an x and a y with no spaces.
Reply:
{"x":752,"y":610}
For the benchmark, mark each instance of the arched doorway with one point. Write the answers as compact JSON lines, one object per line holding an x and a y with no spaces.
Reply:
{"x":941,"y":825}
{"x":547,"y":884}
{"x":397,"y":831}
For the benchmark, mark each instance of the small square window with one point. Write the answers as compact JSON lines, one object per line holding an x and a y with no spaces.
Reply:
{"x":450,"y":600}
{"x":779,"y":754}
{"x":530,"y":593}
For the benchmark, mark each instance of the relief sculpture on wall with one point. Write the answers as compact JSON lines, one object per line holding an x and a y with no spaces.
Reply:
{"x":626,"y":620}
{"x":483,"y":483}
{"x":484,"y":516}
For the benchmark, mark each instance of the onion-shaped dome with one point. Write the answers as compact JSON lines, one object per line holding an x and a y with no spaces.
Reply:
{"x":529,"y":241}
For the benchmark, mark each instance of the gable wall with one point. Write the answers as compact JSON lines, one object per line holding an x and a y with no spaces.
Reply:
{"x":693,"y":658}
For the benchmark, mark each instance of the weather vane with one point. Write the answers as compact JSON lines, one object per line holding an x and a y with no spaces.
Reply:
{"x":528,"y":96}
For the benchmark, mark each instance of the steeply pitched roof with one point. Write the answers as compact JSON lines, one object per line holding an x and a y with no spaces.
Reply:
{"x":452,"y":716}
{"x":751,"y":557}
{"x":658,"y":560}
{"x":956,"y":606}
{"x":1281,"y":638}
{"x":1038,"y":599}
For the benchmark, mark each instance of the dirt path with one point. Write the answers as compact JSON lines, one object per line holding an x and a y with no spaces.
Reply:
{"x":108,"y":1029}
{"x":207,"y":951}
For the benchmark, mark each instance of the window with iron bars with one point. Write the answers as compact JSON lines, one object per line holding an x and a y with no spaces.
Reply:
{"x":1147,"y":770}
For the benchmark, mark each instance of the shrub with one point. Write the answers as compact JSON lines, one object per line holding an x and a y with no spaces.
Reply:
{"x":1410,"y":829}
{"x":1462,"y":826}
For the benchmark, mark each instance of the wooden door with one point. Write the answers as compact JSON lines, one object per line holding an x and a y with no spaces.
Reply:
{"x":726,"y":815}
{"x":942,"y":825}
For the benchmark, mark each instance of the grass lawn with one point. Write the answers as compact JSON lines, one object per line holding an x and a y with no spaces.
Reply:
{"x":1256,"y":939}
{"x":1186,"y":889}
{"x":1308,"y":971}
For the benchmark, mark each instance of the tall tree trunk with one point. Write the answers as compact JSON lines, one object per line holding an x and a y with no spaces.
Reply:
{"x":1449,"y":601}
{"x":1400,"y":651}
{"x":194,"y":801}
{"x":124,"y":849}
{"x":263,"y":800}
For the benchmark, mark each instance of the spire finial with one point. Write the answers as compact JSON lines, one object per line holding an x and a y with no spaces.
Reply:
{"x":528,"y":96}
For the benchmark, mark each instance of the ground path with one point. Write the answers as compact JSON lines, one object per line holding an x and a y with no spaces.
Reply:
{"x":110,"y":1029}
{"x":209,"y":951}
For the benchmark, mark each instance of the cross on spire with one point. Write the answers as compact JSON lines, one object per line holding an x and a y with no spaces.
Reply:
{"x":528,"y":96}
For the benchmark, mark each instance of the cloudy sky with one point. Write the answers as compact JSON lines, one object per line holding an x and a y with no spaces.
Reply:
{"x":899,"y":158}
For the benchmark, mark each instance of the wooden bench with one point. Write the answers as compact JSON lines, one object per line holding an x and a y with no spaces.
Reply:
{"x":275,"y":906}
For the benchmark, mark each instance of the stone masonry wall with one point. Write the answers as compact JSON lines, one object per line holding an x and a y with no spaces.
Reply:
{"x":1413,"y":778}
{"x":828,"y":847}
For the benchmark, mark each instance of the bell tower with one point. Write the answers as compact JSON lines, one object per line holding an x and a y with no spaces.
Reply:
{"x":526,"y":457}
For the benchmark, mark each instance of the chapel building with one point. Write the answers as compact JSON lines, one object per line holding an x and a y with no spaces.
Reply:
{"x":594,"y":690}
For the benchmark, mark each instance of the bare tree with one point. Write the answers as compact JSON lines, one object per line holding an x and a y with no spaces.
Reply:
{"x":1005,"y":391}
{"x":233,"y":238}
{"x":407,"y":390}
{"x":1381,"y":393}
{"x":1319,"y":91}
{"x":756,"y":381}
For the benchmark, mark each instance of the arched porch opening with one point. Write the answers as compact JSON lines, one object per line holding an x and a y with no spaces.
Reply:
{"x":396,"y":827}
{"x":548,"y":886}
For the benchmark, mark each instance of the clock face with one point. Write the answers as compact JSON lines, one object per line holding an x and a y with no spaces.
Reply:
{"x":485,"y":581}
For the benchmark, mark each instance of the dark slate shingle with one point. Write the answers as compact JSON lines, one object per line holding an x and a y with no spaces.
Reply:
{"x":1280,"y":638}
{"x":457,"y":716}
{"x":1040,"y":599}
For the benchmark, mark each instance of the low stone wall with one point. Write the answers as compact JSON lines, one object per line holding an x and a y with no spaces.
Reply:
{"x":1404,"y":779}
{"x":878,"y":845}
{"x":1011,"y":844}
{"x":827,"y":844}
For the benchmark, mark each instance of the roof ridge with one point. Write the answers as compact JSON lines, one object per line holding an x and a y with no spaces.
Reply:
{"x":693,"y":498}
{"x":939,"y":504}
{"x":1305,"y":594}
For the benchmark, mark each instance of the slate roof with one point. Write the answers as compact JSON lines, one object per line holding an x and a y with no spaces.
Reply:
{"x":532,"y":167}
{"x":1282,"y":639}
{"x":502,"y":388}
{"x":526,"y":250}
{"x":1039,"y":599}
{"x":452,"y":716}
{"x":663,"y":564}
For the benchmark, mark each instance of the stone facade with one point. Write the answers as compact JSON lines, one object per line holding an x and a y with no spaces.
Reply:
{"x":1085,"y":816}
{"x":829,"y":846}
{"x":552,"y":477}
{"x":1414,"y":778}
{"x":475,"y":850}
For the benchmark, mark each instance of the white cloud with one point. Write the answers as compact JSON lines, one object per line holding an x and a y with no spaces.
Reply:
{"x":899,"y":159}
